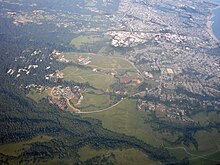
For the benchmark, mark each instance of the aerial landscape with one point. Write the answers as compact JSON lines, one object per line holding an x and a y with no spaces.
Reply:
{"x":110,"y":82}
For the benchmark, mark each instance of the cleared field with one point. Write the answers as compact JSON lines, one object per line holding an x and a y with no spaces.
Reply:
{"x":99,"y":61}
{"x":98,"y":80}
{"x":15,"y":149}
{"x":37,"y":96}
{"x":124,"y":118}
{"x":125,"y":157}
{"x":84,"y":39}
{"x":93,"y":102}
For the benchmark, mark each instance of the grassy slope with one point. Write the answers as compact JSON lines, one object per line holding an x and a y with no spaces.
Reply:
{"x":124,"y":118}
{"x":15,"y":149}
{"x":125,"y":157}
{"x":36,"y":96}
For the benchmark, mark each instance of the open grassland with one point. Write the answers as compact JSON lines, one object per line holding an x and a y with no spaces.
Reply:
{"x":37,"y":96}
{"x":84,"y":39}
{"x":98,"y":80}
{"x":110,"y":62}
{"x":124,"y":118}
{"x":101,"y":61}
{"x":204,"y":118}
{"x":208,"y":151}
{"x":208,"y":142}
{"x":15,"y":149}
{"x":114,"y":66}
{"x":211,"y":158}
{"x":125,"y":157}
{"x":94,"y":102}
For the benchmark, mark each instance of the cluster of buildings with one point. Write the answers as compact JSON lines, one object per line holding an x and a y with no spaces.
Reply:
{"x":59,"y":56}
{"x":60,"y":96}
{"x":126,"y":39}
{"x":84,"y":60}
{"x":38,"y":88}
{"x":60,"y":102}
{"x":173,"y":57}
{"x":169,"y":46}
{"x":55,"y":76}
{"x":18,"y":72}
{"x":25,"y":64}
{"x":178,"y":114}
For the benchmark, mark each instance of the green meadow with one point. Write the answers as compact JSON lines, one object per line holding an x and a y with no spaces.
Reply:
{"x":125,"y":118}
{"x":94,"y":101}
{"x":84,"y":40}
{"x":101,"y":61}
{"x":98,"y":80}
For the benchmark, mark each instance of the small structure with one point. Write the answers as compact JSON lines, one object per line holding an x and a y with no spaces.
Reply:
{"x":170,"y":71}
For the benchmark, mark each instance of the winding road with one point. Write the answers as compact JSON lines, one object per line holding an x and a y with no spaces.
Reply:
{"x":194,"y":155}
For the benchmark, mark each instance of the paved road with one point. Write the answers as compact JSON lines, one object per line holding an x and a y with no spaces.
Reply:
{"x":72,"y":107}
{"x":101,"y":110}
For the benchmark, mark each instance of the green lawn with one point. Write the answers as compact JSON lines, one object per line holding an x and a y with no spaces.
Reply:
{"x":122,"y":157}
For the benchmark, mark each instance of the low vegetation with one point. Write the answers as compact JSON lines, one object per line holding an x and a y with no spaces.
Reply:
{"x":128,"y":156}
